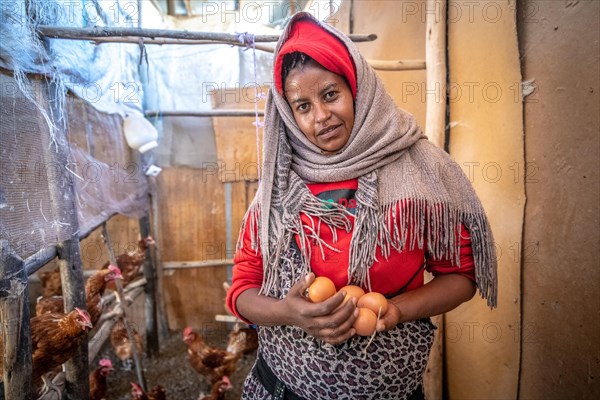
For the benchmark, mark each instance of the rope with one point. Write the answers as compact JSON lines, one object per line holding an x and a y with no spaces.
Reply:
{"x":247,"y":39}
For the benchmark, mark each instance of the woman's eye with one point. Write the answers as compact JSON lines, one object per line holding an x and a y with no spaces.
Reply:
{"x":330,"y":95}
{"x":303,"y":107}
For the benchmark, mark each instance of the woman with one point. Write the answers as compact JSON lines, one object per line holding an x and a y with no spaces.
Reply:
{"x":351,"y":189}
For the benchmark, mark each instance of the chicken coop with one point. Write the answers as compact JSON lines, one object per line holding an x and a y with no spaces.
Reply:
{"x":130,"y":151}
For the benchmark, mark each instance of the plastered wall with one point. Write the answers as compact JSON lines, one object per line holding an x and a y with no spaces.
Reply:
{"x":559,"y":42}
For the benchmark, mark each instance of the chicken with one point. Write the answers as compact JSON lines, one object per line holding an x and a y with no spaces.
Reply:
{"x":242,"y":340}
{"x":122,"y":345}
{"x":98,"y":379}
{"x":212,"y":362}
{"x":51,"y":283}
{"x":218,"y":390}
{"x":52,"y":304}
{"x":94,"y":289}
{"x":131,"y":263}
{"x":54,"y":339}
{"x":157,"y":393}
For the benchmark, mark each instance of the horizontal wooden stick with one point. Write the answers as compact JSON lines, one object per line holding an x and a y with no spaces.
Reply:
{"x":36,"y":261}
{"x":397,"y":65}
{"x":207,"y":113}
{"x":95,"y":344}
{"x":63,"y":32}
{"x":111,"y":296}
{"x":196,"y":264}
{"x":168,"y":41}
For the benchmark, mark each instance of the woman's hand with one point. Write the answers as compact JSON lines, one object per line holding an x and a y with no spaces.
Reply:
{"x":390,"y":319}
{"x":326,"y":320}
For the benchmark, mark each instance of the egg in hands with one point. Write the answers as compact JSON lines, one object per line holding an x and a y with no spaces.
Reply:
{"x":371,"y":306}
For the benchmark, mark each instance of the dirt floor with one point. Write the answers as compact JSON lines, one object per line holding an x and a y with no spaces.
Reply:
{"x":172,"y":370}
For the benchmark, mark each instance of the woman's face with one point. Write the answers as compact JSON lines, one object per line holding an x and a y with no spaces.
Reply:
{"x":322,"y":104}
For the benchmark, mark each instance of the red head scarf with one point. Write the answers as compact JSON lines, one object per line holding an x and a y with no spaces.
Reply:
{"x":308,"y":38}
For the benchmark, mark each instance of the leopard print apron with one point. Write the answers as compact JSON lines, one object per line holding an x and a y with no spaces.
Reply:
{"x":391,"y":367}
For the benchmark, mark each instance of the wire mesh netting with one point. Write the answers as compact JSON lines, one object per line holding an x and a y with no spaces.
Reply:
{"x":36,"y":206}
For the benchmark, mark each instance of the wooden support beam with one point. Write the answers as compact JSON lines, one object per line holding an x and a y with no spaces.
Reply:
{"x":435,"y":129}
{"x":171,"y":7}
{"x":84,"y":234}
{"x":73,"y":287}
{"x":36,"y":261}
{"x":163,"y":326}
{"x":167,"y":41}
{"x":207,"y":113}
{"x":62,"y":196}
{"x":15,"y":346}
{"x":121,"y":299}
{"x":62,"y":32}
{"x":397,"y":65}
{"x":196,"y":264}
{"x":435,"y":56}
{"x":152,"y":345}
{"x":107,"y":322}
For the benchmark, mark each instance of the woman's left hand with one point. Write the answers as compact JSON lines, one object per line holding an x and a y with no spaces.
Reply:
{"x":390,"y":319}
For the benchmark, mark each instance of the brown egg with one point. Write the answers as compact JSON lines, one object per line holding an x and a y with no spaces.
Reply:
{"x":352,"y":291}
{"x":366,"y":322}
{"x":373,"y":301}
{"x":321,"y":289}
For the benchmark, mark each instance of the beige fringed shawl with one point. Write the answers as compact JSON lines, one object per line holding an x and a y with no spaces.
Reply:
{"x":395,"y":165}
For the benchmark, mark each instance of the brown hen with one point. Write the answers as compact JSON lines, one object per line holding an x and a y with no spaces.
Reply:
{"x":157,"y":393}
{"x":218,"y":390}
{"x":94,"y":289}
{"x":212,"y":362}
{"x":98,"y":376}
{"x":242,"y":340}
{"x":54,"y":339}
{"x":51,"y":283}
{"x":122,"y":345}
{"x":131,"y":263}
{"x":52,"y":304}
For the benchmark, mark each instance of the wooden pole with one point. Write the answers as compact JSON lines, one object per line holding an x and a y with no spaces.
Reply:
{"x":62,"y":32}
{"x":163,"y":326}
{"x":71,"y":275}
{"x":435,"y":56}
{"x":166,"y":41}
{"x":62,"y":196}
{"x":121,"y":299}
{"x":15,"y":346}
{"x":197,"y":264}
{"x":152,"y":345}
{"x":39,"y":259}
{"x":207,"y":113}
{"x":435,"y":129}
{"x":171,"y":7}
{"x":107,"y":322}
{"x":397,"y":65}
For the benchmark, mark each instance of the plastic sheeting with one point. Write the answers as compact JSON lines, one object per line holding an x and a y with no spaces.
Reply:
{"x":107,"y":81}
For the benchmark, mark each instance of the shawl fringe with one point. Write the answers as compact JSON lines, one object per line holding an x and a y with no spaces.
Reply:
{"x":404,"y":225}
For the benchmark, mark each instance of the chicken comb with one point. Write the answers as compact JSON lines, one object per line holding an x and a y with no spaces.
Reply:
{"x":136,"y":388}
{"x":105,"y":362}
{"x":84,"y":314}
{"x":115,"y":269}
{"x":187,"y":331}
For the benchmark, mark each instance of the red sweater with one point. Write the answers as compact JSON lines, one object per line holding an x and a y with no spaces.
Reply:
{"x":387,"y":275}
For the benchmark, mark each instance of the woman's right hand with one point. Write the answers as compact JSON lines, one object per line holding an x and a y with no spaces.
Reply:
{"x":326,"y":320}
